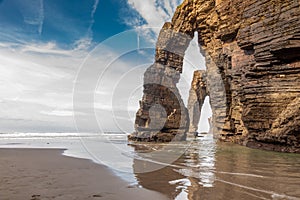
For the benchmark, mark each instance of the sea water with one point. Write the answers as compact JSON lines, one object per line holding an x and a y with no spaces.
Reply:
{"x":200,"y":168}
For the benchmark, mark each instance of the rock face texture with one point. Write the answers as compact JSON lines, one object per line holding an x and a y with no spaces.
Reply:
{"x":252,"y":51}
{"x":162,"y":115}
{"x":197,"y":95}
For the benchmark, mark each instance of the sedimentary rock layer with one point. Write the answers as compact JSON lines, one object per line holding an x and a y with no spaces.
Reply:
{"x":252,"y":51}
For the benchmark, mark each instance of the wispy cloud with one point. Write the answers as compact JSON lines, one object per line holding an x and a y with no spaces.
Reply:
{"x":44,"y":48}
{"x":94,"y":9}
{"x":83,"y":44}
{"x":154,"y":13}
{"x":150,"y":17}
{"x":33,"y":14}
{"x":86,"y":41}
{"x":39,"y":20}
{"x":41,"y":17}
{"x":95,"y":6}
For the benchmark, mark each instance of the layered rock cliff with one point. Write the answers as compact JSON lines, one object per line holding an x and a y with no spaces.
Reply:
{"x":252,"y":51}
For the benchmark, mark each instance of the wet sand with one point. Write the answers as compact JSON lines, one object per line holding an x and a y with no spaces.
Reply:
{"x":38,"y":174}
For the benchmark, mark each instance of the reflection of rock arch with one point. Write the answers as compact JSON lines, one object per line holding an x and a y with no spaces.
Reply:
{"x":157,"y":180}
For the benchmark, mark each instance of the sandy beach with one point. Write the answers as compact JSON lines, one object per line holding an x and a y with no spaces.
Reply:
{"x":38,"y":174}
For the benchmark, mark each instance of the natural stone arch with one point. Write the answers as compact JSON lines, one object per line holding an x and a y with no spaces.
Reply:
{"x":253,"y":69}
{"x":161,"y":78}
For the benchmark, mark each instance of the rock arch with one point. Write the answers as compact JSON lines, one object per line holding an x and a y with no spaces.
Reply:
{"x":253,"y":71}
{"x":161,"y":78}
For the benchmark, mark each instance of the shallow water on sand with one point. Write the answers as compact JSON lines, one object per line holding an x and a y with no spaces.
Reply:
{"x":196,"y":169}
{"x":210,"y":170}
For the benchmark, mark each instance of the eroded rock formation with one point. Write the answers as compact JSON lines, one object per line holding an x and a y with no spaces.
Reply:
{"x":252,"y":51}
{"x":197,"y":95}
{"x":162,"y":115}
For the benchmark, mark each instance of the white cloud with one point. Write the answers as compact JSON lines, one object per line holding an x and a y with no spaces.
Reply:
{"x":83,"y":44}
{"x":151,"y":15}
{"x":21,"y":75}
{"x":36,"y":77}
{"x":44,"y":48}
{"x":155,"y":13}
{"x":59,"y":113}
{"x":37,"y":80}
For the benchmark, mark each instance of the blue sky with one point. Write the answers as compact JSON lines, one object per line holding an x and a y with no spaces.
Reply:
{"x":68,"y":21}
{"x":61,"y":21}
{"x":46,"y":46}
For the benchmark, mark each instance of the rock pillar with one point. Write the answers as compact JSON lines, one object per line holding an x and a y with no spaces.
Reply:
{"x":197,"y":95}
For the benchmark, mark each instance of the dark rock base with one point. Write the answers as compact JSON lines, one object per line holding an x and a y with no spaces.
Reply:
{"x":156,"y":137}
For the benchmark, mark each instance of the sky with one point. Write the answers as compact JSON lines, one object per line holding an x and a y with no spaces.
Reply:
{"x":75,"y":65}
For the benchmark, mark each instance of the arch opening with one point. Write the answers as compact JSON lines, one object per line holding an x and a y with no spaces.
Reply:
{"x":204,"y":125}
